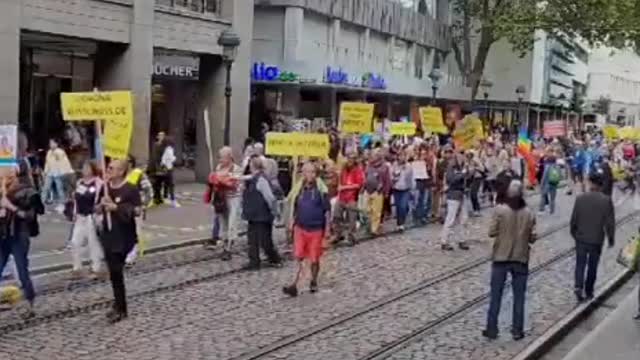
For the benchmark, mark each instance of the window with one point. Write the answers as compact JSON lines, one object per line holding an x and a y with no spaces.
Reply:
{"x":201,"y":6}
{"x":418,"y":64}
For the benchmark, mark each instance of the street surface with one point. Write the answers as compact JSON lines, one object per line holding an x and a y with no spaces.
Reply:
{"x":187,"y":304}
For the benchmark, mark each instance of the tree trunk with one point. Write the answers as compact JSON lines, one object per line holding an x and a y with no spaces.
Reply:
{"x":486,"y":40}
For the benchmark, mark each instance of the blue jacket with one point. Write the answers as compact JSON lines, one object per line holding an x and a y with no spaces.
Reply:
{"x":544,"y":183}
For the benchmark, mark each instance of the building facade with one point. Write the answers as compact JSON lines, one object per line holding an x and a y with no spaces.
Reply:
{"x":614,"y":79}
{"x":165,"y":51}
{"x":554,"y":75}
{"x":308,"y":56}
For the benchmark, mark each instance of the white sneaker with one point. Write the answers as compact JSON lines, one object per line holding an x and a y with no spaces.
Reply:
{"x":59,"y":209}
{"x":175,"y":204}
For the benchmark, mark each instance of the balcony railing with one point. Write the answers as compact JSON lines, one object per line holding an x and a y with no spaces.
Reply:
{"x":199,"y":6}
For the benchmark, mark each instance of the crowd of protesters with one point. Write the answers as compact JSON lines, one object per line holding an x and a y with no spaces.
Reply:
{"x":365,"y":183}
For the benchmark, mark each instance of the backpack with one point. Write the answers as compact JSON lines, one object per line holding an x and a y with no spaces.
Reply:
{"x":372,"y":180}
{"x":554,"y":175}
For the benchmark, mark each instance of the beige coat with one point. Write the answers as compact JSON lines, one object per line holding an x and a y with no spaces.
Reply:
{"x":514,"y":232}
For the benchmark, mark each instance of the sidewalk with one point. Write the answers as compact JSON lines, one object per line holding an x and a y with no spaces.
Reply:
{"x":616,"y":338}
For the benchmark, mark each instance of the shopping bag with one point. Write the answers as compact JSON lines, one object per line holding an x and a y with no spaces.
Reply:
{"x":10,"y":295}
{"x":629,"y":255}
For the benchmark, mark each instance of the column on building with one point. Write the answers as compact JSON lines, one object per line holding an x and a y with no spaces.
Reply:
{"x":9,"y":61}
{"x":210,"y":125}
{"x":120,"y":67}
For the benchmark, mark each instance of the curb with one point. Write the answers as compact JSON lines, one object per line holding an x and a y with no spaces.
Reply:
{"x":562,"y":328}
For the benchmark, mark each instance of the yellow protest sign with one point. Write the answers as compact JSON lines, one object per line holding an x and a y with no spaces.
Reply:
{"x":117,"y":137}
{"x":468,"y":133}
{"x":83,"y":106}
{"x":610,"y":132}
{"x":356,"y":118}
{"x":627,"y":132}
{"x":432,"y":120}
{"x":297,"y":144}
{"x":403,"y":128}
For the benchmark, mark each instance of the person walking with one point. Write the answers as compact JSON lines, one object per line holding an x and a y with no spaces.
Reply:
{"x":223,"y":194}
{"x":346,"y":210}
{"x":549,"y":181}
{"x":592,"y":219}
{"x":514,"y":228}
{"x":167,"y":164}
{"x":120,"y":205}
{"x":476,"y":174}
{"x":402,"y":180}
{"x":140,"y":181}
{"x":56,"y":168}
{"x":259,"y":208}
{"x":86,"y":197}
{"x":310,"y":226}
{"x":377,"y":183}
{"x":156,"y":169}
{"x":455,"y":177}
{"x":19,"y":207}
{"x":423,"y":182}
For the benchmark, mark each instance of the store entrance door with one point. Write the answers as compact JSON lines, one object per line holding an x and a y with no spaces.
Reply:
{"x":46,"y":117}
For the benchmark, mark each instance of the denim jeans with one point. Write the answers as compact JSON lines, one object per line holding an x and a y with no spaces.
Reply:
{"x":519,"y":275}
{"x":423,"y":205}
{"x":587,"y":256}
{"x":18,"y":246}
{"x":401,"y":201}
{"x":549,"y":193}
{"x":59,"y":195}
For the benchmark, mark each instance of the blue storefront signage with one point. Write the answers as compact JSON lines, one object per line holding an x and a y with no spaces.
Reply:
{"x":272,"y":73}
{"x":262,"y":72}
{"x":341,"y":77}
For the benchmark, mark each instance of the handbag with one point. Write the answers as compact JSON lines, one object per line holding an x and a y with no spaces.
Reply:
{"x":629,"y":255}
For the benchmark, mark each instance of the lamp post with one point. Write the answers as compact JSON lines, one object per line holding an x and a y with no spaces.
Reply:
{"x":520,"y":91}
{"x":229,"y":41}
{"x":486,"y":86}
{"x":435,"y":75}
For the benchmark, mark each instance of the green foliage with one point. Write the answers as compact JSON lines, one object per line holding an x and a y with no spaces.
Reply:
{"x":479,"y":24}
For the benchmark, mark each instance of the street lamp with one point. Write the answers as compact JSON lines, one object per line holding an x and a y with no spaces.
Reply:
{"x":486,"y":85}
{"x":520,"y":91}
{"x":229,"y":41}
{"x":435,"y":75}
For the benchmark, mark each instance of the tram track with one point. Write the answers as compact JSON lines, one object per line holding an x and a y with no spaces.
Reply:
{"x":391,"y":347}
{"x":106,"y":303}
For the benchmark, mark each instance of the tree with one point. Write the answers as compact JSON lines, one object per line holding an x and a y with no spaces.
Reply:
{"x":479,"y":24}
{"x":602,"y":106}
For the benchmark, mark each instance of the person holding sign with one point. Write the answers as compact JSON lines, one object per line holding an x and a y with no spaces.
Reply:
{"x":455,"y":188}
{"x":19,"y":207}
{"x":120,"y":204}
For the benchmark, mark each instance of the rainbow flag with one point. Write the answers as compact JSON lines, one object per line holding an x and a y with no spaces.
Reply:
{"x":524,"y":149}
{"x":524,"y":143}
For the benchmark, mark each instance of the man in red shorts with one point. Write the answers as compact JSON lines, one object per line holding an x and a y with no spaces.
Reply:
{"x":310,"y":225}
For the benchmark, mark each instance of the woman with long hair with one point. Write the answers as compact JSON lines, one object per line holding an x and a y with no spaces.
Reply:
{"x":85,"y":199}
{"x":120,"y":205}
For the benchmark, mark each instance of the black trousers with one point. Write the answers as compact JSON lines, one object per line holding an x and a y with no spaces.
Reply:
{"x":587,"y":258}
{"x":157,"y":183}
{"x":260,"y":234}
{"x":115,"y":263}
{"x":474,"y":190}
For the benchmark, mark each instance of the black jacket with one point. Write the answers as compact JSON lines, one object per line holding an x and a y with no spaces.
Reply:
{"x":593,"y":217}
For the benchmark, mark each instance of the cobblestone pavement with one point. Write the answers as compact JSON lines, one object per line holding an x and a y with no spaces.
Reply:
{"x":231,"y":315}
{"x":550,"y":297}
